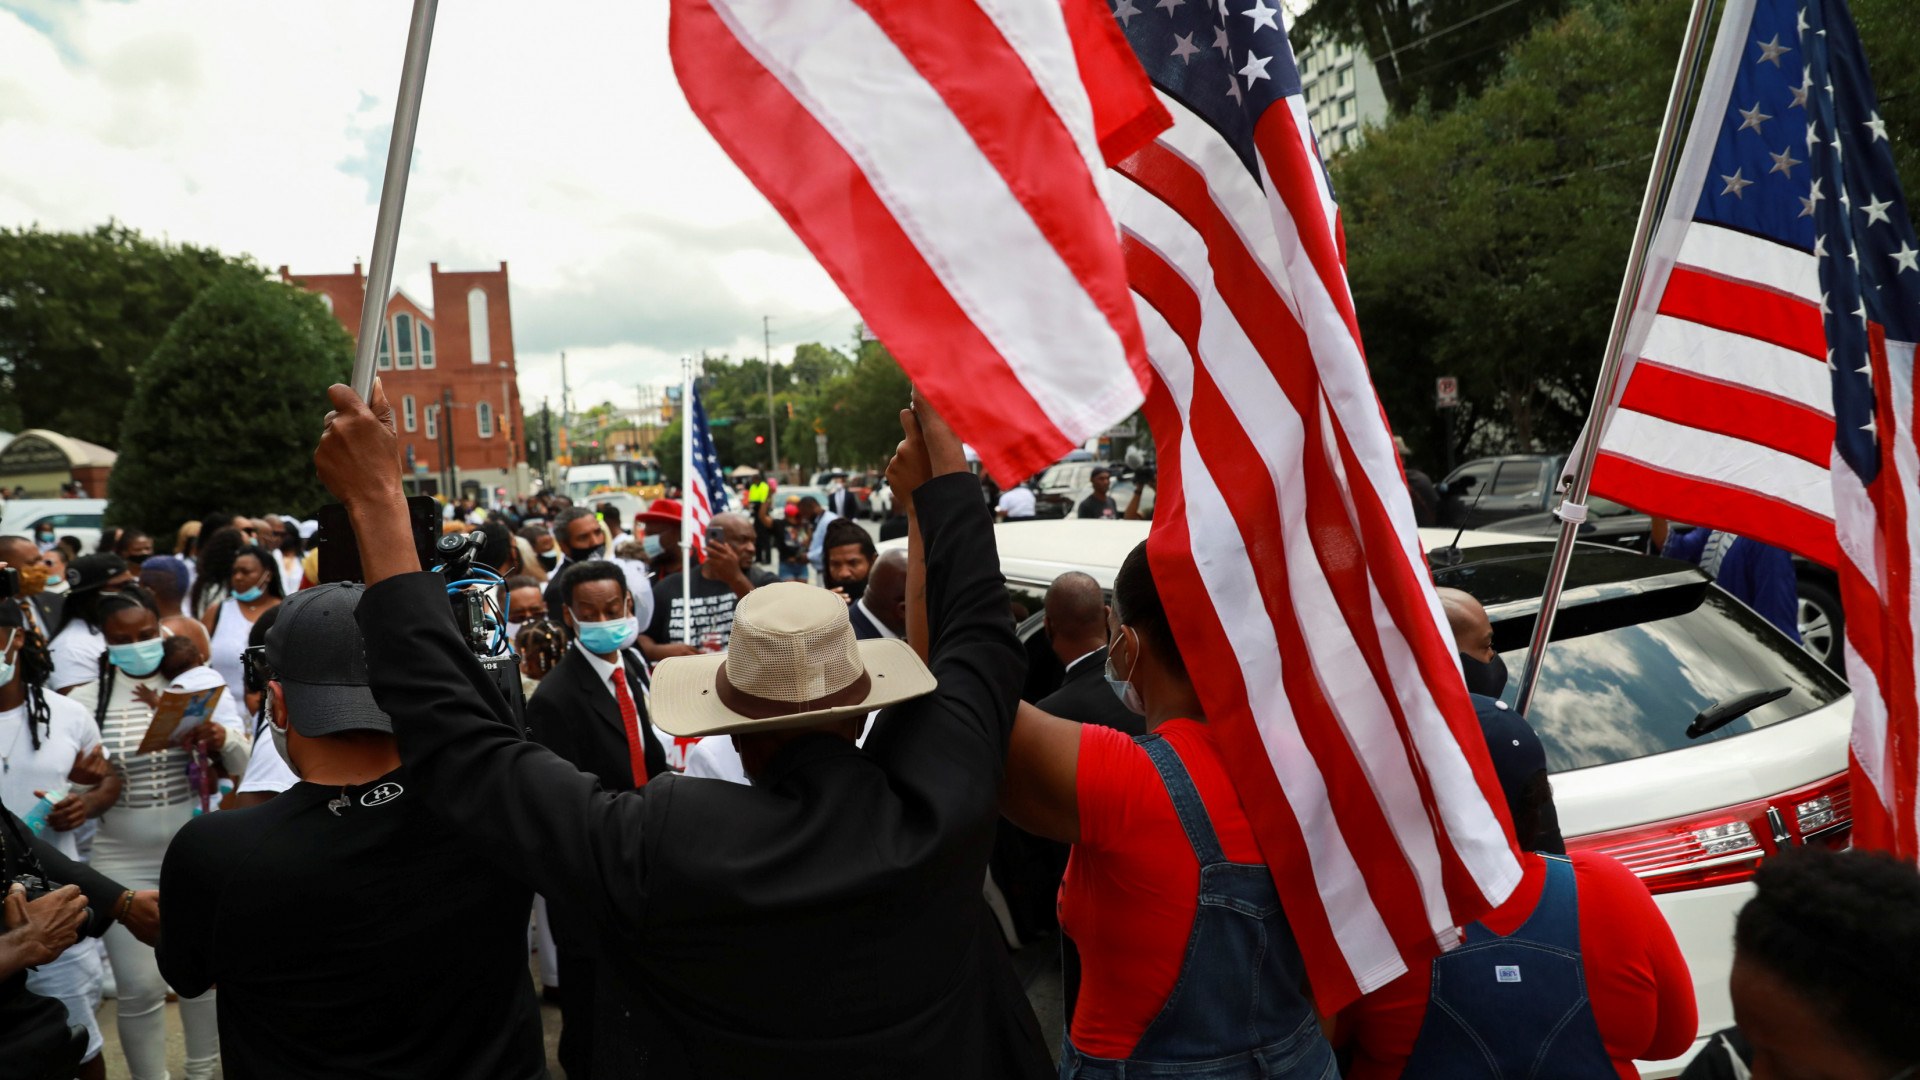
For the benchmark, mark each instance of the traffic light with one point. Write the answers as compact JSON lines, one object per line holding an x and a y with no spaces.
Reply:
{"x":789,"y":410}
{"x":759,"y":440}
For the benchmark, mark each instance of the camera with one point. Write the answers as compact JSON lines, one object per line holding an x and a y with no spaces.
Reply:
{"x":479,"y":599}
{"x":9,"y":583}
{"x":36,"y":885}
{"x":255,"y":672}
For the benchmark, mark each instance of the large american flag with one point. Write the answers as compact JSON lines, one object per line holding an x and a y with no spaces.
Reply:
{"x":942,"y":159}
{"x":1770,"y":386}
{"x":1283,"y":535}
{"x":706,"y":482}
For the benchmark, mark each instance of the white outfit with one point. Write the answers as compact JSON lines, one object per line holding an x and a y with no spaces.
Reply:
{"x":640,"y":585}
{"x":74,"y":977}
{"x":229,"y":642}
{"x":1017,"y":501}
{"x":266,"y":769}
{"x":816,"y":550}
{"x":156,"y":799}
{"x":291,"y":572}
{"x":76,"y":653}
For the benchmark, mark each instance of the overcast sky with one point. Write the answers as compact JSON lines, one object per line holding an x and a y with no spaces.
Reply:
{"x":553,"y":136}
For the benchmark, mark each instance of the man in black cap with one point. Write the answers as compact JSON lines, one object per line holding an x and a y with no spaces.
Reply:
{"x":350,"y":932}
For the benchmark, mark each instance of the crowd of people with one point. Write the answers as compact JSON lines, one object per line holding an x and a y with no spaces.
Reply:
{"x":781,"y":817}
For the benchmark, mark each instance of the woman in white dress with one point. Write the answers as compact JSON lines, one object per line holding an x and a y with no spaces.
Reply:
{"x":156,"y":799}
{"x":253,"y":585}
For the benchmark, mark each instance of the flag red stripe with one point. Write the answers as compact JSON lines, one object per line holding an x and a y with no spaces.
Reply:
{"x":1896,"y":679}
{"x":1197,"y":626}
{"x":1730,"y":409}
{"x":1742,"y":308}
{"x":1296,"y":181}
{"x":1127,"y":114}
{"x":826,"y":199}
{"x":992,"y":92}
{"x":1736,"y":509}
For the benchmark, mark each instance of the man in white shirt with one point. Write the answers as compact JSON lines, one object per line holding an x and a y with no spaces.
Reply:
{"x":1016,"y":504}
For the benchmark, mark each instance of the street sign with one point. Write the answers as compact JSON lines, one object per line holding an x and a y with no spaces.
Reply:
{"x":1446,"y":392}
{"x":820,"y":445}
{"x":1122,"y":430}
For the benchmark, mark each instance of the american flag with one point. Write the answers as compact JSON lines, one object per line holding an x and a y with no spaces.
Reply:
{"x":943,"y":160}
{"x":706,"y":484}
{"x":1283,"y":530}
{"x":1770,"y":391}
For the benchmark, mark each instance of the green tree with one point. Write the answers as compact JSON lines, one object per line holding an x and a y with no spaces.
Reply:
{"x":226,"y":412}
{"x":80,"y":312}
{"x":1487,"y":242}
{"x":1436,"y":51}
{"x":1891,"y":37}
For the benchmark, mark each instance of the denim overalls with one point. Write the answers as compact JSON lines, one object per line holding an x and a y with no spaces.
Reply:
{"x":1515,"y":1007}
{"x":1236,"y":1012}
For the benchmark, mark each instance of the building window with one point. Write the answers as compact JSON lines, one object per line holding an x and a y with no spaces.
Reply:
{"x":1346,"y":77}
{"x":327,"y":300}
{"x":407,"y":414}
{"x":426,"y":345}
{"x":480,"y":342}
{"x":484,"y":413}
{"x":403,"y":341}
{"x":433,"y":421}
{"x":386,"y":360}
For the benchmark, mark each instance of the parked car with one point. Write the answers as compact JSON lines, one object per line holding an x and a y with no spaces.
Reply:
{"x":78,"y":518}
{"x":1822,"y":621}
{"x":1490,"y":489}
{"x":1643,"y":648}
{"x":1058,"y":491}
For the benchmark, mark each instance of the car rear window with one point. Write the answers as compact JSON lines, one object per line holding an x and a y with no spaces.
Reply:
{"x":1631,"y":691}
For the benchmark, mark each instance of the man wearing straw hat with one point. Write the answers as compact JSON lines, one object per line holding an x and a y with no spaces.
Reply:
{"x":826,"y":920}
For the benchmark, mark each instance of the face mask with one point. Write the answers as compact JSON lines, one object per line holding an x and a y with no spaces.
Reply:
{"x":140,"y":659}
{"x":547,"y":562}
{"x":652,"y":546}
{"x":1485,"y":677}
{"x":250,"y":595}
{"x":854,"y":589}
{"x":56,"y":586}
{"x":586,"y":554}
{"x":6,"y":673}
{"x":513,"y":631}
{"x":280,"y":740}
{"x":1128,"y":694}
{"x":610,"y":636}
{"x":33,"y":579}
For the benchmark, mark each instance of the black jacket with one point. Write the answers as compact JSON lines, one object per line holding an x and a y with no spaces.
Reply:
{"x":825,"y":921}
{"x":1084,"y":696}
{"x":34,"y":1030}
{"x":577,"y":718}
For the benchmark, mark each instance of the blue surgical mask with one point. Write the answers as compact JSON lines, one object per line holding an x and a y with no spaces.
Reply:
{"x":1128,"y":694}
{"x":609,"y":636}
{"x":652,"y":546}
{"x":6,"y":672}
{"x":140,"y":659}
{"x":250,"y":595}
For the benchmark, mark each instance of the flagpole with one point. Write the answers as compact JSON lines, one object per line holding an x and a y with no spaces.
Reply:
{"x":686,"y":498}
{"x":1573,"y":508}
{"x":393,"y":194}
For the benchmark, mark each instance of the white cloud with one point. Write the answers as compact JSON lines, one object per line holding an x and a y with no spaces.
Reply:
{"x":552,"y":136}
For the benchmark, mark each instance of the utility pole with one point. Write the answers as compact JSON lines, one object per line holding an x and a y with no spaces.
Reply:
{"x":546,"y":430}
{"x":773,"y":437}
{"x":446,"y":453}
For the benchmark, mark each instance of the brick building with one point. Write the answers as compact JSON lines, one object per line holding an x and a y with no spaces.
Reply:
{"x":449,"y":371}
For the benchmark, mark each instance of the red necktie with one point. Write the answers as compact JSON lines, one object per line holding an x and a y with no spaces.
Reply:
{"x":630,"y":717}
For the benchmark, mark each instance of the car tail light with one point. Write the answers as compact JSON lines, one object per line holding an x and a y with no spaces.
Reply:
{"x":1724,"y":846}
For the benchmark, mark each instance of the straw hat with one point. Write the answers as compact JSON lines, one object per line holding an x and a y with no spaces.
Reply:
{"x":792,"y":662}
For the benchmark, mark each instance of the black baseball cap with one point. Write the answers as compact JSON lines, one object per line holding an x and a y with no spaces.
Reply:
{"x":1512,"y":744}
{"x":320,"y":661}
{"x":89,"y":572}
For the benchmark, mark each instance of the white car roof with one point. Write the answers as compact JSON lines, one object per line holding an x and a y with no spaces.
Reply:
{"x":1036,"y":552}
{"x":26,"y":511}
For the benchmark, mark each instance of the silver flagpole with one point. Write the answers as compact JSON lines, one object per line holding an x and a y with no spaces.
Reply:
{"x":1573,"y":508}
{"x":393,"y":194}
{"x":686,"y":499}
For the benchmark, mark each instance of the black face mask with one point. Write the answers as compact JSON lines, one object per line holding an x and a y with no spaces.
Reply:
{"x":854,"y":589}
{"x":585,"y":554}
{"x":1485,"y":677}
{"x":548,"y":561}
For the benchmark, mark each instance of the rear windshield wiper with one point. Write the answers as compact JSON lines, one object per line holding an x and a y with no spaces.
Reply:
{"x":1721,"y":713}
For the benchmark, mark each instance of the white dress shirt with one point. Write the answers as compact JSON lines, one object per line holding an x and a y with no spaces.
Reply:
{"x":1017,"y":502}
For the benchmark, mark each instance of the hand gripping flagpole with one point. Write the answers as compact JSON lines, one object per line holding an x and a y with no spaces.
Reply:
{"x":1573,"y":508}
{"x":393,"y":194}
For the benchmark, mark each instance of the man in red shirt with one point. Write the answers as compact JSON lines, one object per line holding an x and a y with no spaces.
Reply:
{"x":1577,"y":969}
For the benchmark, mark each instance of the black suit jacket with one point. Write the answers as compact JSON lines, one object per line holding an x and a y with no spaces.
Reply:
{"x":577,"y":718}
{"x":826,"y":920}
{"x":863,"y":627}
{"x":1085,"y":697}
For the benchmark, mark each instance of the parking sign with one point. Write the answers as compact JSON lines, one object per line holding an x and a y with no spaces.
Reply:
{"x":1446,"y":391}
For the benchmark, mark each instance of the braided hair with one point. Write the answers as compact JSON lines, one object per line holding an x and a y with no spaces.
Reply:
{"x":543,"y":641}
{"x":111,"y":604}
{"x":35,"y":667}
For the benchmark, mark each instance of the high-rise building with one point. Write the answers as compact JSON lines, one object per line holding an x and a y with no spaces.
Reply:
{"x":450,"y":375}
{"x":1342,"y":93}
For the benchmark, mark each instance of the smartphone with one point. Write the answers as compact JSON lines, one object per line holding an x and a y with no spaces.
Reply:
{"x":9,"y":582}
{"x":716,"y":534}
{"x":340,"y":550}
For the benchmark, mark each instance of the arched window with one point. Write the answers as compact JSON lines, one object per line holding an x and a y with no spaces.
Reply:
{"x":386,"y":359}
{"x":477,"y":330}
{"x":403,"y":341}
{"x":426,"y":345}
{"x":484,"y":412}
{"x":407,"y":412}
{"x":327,"y":300}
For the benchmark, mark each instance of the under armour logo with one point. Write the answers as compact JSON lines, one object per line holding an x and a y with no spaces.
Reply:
{"x":384,"y":793}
